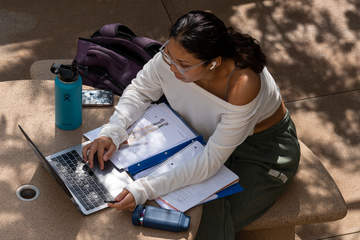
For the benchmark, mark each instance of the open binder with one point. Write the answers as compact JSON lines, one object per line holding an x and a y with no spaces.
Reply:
{"x":161,"y":136}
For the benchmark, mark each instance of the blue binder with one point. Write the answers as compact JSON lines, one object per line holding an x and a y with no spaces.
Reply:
{"x":235,"y":188}
{"x":159,"y":158}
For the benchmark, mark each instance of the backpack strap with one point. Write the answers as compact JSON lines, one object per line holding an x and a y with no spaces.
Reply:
{"x":115,"y":30}
{"x":149,"y":45}
{"x":119,"y":30}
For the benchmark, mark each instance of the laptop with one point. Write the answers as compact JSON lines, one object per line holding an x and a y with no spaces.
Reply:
{"x":87,"y":188}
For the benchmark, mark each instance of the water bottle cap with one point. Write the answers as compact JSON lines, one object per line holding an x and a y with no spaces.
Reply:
{"x":137,"y":215}
{"x":67,"y":73}
{"x":184,"y":223}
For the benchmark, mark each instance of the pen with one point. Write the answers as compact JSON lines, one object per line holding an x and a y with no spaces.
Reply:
{"x":110,"y":201}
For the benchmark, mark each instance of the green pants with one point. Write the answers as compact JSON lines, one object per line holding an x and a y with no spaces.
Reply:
{"x":265,"y":163}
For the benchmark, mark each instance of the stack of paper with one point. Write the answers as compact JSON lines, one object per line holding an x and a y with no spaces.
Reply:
{"x":190,"y":196}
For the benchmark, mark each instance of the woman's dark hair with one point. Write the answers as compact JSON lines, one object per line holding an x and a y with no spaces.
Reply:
{"x":206,"y":36}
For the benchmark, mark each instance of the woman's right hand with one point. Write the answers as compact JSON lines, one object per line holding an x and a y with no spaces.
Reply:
{"x":103,"y":147}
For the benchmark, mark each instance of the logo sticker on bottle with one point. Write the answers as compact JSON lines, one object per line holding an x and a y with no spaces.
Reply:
{"x":67,"y":98}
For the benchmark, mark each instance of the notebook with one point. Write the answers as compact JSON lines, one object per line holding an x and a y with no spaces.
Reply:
{"x":87,"y":188}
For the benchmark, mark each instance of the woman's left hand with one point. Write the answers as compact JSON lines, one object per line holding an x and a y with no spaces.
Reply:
{"x":125,"y":201}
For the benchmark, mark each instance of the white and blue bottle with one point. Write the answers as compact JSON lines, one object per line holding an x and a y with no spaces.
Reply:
{"x":68,"y":97}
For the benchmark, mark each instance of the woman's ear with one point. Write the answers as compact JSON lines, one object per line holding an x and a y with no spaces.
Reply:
{"x":218,"y":61}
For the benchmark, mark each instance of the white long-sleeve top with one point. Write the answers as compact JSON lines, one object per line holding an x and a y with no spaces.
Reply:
{"x":224,"y":126}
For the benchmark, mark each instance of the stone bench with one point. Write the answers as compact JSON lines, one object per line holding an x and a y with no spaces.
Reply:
{"x":312,"y":197}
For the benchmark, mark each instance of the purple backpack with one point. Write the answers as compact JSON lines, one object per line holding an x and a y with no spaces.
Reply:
{"x":112,"y":57}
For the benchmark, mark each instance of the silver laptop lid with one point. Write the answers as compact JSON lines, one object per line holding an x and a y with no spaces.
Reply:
{"x":44,"y":162}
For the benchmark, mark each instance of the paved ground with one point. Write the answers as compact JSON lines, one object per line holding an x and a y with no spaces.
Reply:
{"x":313,"y":50}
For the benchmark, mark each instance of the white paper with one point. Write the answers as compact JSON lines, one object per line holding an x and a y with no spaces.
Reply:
{"x":186,"y":154}
{"x":93,"y":134}
{"x":190,"y":196}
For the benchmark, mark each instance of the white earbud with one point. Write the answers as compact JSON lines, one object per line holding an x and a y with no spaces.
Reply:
{"x":213,"y":65}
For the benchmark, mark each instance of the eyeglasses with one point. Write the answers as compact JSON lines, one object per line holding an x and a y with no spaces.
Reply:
{"x":169,"y":61}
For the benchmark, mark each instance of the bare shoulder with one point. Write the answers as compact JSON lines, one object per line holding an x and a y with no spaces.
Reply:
{"x":243,"y":87}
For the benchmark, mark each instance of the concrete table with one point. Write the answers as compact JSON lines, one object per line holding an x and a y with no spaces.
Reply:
{"x":52,"y":215}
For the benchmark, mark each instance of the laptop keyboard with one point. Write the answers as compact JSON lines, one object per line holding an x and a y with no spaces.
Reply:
{"x":81,"y":180}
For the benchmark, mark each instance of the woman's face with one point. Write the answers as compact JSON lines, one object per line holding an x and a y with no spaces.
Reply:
{"x":183,"y":64}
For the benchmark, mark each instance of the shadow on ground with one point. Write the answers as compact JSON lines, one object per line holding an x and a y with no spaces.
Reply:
{"x":313,"y":52}
{"x":312,"y":47}
{"x":49,"y":29}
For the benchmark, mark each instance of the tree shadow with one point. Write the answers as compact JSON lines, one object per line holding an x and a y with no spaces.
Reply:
{"x":312,"y":57}
{"x":52,"y":215}
{"x":353,"y":17}
{"x":312,"y":53}
{"x":303,"y":69}
{"x":19,"y":164}
{"x":49,"y":30}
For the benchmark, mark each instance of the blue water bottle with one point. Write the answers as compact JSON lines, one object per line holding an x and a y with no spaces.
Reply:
{"x":68,"y":96}
{"x":165,"y":219}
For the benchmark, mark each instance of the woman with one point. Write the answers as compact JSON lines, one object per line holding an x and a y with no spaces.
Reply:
{"x":216,"y":79}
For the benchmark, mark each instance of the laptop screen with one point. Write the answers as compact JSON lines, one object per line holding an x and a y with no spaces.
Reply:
{"x":45,"y":163}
